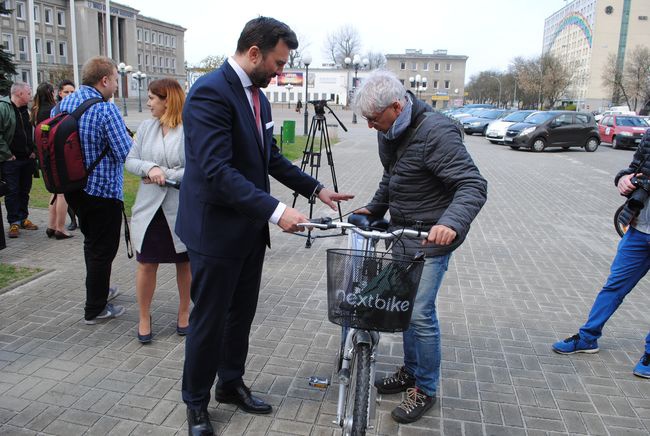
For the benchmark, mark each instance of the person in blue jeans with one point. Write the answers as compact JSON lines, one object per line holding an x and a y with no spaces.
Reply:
{"x":429,"y":182}
{"x":631,"y":263}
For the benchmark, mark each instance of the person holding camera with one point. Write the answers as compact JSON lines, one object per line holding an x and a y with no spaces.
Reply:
{"x":631,"y":263}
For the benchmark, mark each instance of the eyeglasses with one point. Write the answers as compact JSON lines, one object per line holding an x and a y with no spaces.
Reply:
{"x":374,"y":120}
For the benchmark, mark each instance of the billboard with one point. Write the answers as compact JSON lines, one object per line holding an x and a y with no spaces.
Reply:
{"x":294,"y":79}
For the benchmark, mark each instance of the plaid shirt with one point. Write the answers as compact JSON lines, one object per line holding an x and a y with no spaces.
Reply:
{"x":101,"y":124}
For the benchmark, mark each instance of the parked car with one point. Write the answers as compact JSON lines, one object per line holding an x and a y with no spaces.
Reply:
{"x":622,"y":130}
{"x":496,"y":130}
{"x":479,"y":123}
{"x":471,"y":112}
{"x":615,"y":110}
{"x":554,"y":129}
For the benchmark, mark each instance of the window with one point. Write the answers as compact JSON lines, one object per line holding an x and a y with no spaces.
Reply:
{"x":22,"y":48}
{"x":166,"y":40}
{"x":139,"y":34}
{"x":63,"y":52}
{"x":582,"y":119}
{"x":153,"y":58}
{"x":447,"y":84}
{"x":60,"y":18}
{"x":47,"y":13}
{"x":39,"y":49}
{"x":146,"y":60}
{"x":8,"y":42}
{"x":37,"y":14}
{"x":414,"y":66}
{"x":49,"y":47}
{"x":402,"y":65}
{"x":139,"y":61}
{"x":166,"y":62}
{"x":448,"y":67}
{"x":435,"y":84}
{"x":425,"y":66}
{"x":153,"y":37}
{"x":160,"y":39}
{"x":7,"y":5}
{"x":174,"y":65}
{"x":160,"y":62}
{"x":146,"y":36}
{"x":436,"y":67}
{"x":173,"y":41}
{"x":20,"y":11}
{"x":563,"y":120}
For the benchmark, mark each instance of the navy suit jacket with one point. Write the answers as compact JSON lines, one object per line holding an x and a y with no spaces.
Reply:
{"x":225,"y":202}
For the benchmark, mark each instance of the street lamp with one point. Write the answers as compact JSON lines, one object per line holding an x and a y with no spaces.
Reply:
{"x":139,"y":76}
{"x":306,"y":59}
{"x":498,"y":80}
{"x":357,"y":62}
{"x":419,"y":83}
{"x":123,"y":69}
{"x":289,"y":87}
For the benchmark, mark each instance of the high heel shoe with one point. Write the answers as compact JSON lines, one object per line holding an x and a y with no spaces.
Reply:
{"x":61,"y":235}
{"x":145,"y":339}
{"x":50,"y":232}
{"x":182,"y":331}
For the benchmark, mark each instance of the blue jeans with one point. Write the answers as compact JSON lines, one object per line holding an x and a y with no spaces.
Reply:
{"x":422,"y":352}
{"x":630,"y":265}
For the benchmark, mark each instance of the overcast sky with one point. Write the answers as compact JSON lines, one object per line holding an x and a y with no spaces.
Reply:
{"x":490,"y":32}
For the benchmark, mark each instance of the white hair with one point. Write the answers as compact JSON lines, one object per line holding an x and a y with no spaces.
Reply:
{"x":19,"y":86}
{"x":378,"y":90}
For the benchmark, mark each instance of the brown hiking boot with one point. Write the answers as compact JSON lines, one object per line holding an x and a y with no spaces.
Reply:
{"x":28,"y":225}
{"x":14,"y":231}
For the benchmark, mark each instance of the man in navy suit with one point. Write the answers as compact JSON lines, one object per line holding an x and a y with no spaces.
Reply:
{"x":224,"y":210}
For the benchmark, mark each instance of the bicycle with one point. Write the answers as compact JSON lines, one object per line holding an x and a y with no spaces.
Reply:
{"x":368,"y":292}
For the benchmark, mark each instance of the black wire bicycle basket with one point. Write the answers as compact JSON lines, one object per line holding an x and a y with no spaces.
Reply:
{"x":371,"y":291}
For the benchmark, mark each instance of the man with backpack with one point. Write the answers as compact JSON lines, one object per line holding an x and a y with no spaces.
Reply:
{"x":17,"y":156}
{"x":99,"y":205}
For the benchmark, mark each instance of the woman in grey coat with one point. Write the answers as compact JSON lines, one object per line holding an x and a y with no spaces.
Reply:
{"x":158,"y":157}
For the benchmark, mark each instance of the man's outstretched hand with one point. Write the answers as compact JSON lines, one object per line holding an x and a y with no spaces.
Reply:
{"x":330,"y":197}
{"x":290,"y":217}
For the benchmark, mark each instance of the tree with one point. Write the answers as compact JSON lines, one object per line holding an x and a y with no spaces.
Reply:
{"x":295,"y":56}
{"x":7,"y":66}
{"x":545,"y":76}
{"x":343,"y":43}
{"x":375,"y":60}
{"x":60,"y":73}
{"x":632,"y":84}
{"x":211,"y":62}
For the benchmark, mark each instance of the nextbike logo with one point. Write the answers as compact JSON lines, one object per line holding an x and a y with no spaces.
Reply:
{"x":373,"y":302}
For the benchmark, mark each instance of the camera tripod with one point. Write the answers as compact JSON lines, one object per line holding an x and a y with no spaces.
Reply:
{"x":312,"y":154}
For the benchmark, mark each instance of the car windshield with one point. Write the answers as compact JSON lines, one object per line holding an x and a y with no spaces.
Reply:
{"x":539,"y":117}
{"x":631,"y":122}
{"x":492,"y":114}
{"x":517,"y":117}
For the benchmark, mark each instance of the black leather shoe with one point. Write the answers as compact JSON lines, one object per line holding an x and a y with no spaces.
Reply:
{"x":242,"y":397}
{"x":198,"y":423}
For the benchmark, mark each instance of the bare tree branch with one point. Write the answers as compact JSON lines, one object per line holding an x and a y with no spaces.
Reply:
{"x":342,"y":43}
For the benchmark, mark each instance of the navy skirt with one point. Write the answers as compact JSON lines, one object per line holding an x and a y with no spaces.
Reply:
{"x":158,"y":245}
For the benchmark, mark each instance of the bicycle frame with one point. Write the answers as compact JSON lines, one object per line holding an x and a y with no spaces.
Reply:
{"x":351,"y":338}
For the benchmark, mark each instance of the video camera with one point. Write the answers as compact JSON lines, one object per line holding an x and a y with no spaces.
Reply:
{"x":319,"y":106}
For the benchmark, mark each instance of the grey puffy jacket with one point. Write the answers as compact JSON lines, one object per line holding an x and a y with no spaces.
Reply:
{"x":434,"y":180}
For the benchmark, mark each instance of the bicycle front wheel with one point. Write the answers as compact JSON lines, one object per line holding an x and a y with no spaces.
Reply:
{"x":361,"y":389}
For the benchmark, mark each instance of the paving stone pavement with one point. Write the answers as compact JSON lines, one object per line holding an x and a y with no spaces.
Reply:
{"x":526,"y":276}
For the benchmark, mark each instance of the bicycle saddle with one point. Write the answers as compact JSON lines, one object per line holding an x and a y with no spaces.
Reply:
{"x":368,"y":222}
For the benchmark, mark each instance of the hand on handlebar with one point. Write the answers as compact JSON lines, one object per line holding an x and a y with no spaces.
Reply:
{"x":330,"y":197}
{"x":290,"y":218}
{"x":440,"y":235}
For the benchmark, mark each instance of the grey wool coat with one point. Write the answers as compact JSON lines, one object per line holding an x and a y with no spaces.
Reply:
{"x":152,"y":149}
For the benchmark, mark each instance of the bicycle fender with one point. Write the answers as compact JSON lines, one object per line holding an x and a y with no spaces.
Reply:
{"x":363,"y":337}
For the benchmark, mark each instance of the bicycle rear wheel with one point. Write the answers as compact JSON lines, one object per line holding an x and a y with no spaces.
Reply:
{"x":356,"y":411}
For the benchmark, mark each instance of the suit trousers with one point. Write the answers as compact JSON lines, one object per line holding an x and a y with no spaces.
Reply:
{"x":100,"y":221}
{"x":224,"y":292}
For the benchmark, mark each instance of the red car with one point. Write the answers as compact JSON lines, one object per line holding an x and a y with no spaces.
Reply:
{"x":622,"y":130}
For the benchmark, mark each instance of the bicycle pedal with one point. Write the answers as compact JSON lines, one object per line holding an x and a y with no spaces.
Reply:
{"x":318,"y":382}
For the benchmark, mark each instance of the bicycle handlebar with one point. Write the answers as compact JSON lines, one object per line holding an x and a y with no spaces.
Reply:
{"x":327,"y":223}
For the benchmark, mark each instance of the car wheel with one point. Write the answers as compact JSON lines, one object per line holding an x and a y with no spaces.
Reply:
{"x":539,"y":144}
{"x":514,"y":147}
{"x":614,"y":142}
{"x":592,"y":144}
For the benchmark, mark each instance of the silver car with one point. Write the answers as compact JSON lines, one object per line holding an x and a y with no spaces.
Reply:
{"x":496,"y":130}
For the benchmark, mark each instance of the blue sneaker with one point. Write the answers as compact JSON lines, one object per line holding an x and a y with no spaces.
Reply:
{"x":642,"y":369}
{"x":575,"y":344}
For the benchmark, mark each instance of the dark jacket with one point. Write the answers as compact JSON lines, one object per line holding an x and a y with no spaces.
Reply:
{"x":640,"y":154}
{"x":429,"y":177}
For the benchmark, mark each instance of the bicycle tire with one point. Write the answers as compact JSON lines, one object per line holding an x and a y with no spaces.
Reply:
{"x":362,"y":390}
{"x":620,"y":229}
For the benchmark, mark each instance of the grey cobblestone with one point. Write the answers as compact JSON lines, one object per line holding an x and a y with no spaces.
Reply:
{"x":517,"y":285}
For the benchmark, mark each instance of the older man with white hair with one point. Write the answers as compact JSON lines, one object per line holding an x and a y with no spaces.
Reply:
{"x":431,"y":182}
{"x":17,"y":153}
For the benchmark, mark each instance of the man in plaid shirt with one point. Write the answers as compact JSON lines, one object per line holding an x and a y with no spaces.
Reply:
{"x":99,"y":206}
